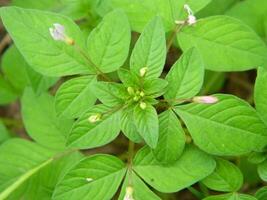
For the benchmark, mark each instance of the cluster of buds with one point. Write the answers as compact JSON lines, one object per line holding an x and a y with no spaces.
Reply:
{"x":129,"y":193}
{"x":58,"y":34}
{"x":94,"y":118}
{"x":191,"y":18}
{"x":205,"y":99}
{"x":137,"y":95}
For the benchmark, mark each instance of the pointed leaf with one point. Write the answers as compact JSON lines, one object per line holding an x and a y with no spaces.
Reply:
{"x":229,"y":127}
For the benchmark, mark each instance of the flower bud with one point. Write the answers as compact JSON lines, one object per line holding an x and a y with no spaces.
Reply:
{"x":142,"y":94}
{"x":136,"y":98}
{"x":94,"y":118}
{"x":191,"y":20}
{"x":142,"y":105}
{"x":130,"y":90}
{"x":89,"y":179}
{"x":129,"y":193}
{"x":205,"y":99}
{"x":143,"y":71}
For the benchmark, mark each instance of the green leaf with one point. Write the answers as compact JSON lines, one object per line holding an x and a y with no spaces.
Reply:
{"x":261,"y":194}
{"x":4,"y":134}
{"x":45,"y":55}
{"x":155,"y":87}
{"x":110,"y":94}
{"x":150,"y":50}
{"x":7,"y":92}
{"x":75,"y":96}
{"x":20,"y":159}
{"x":108,"y":44}
{"x":140,"y":189}
{"x":42,"y":5}
{"x":42,"y":184}
{"x":141,"y":12}
{"x":186,"y":76}
{"x":85,"y":134}
{"x":171,"y":138}
{"x":229,"y":127}
{"x":232,"y":196}
{"x":226,"y":178}
{"x":41,"y":122}
{"x":257,"y":157}
{"x":262,"y":170}
{"x":128,"y":79}
{"x":225,"y":44}
{"x":260,"y":93}
{"x":146,"y":122}
{"x":190,"y":168}
{"x":128,"y":126}
{"x":97,"y":177}
{"x":256,"y":8}
{"x":21,"y":75}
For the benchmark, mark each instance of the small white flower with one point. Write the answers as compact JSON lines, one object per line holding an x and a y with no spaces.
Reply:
{"x":205,"y":99}
{"x":58,"y":32}
{"x":191,"y":19}
{"x":94,"y":118}
{"x":143,"y":105}
{"x":129,"y":193}
{"x":143,"y":71}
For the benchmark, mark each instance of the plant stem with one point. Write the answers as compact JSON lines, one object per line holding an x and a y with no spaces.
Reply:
{"x":196,"y":193}
{"x":176,"y":30}
{"x":87,"y":58}
{"x":130,"y":161}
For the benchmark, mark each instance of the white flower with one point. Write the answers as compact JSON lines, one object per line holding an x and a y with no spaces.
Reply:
{"x":94,"y":118}
{"x":58,"y":34}
{"x":143,"y":71}
{"x":205,"y":99}
{"x":89,"y":179}
{"x":191,"y":19}
{"x":143,"y":105}
{"x":129,"y":193}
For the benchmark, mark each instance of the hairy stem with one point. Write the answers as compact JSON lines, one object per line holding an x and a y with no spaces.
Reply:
{"x":176,"y":30}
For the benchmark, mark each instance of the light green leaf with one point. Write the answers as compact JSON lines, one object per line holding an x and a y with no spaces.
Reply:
{"x":225,"y":44}
{"x":45,"y":55}
{"x":257,"y":157}
{"x":20,"y":159}
{"x":110,"y":94}
{"x":21,"y":75}
{"x":150,"y":50}
{"x":41,"y":122}
{"x":128,"y":126}
{"x":146,"y":122}
{"x":261,"y":194}
{"x":230,"y":127}
{"x":42,"y":184}
{"x":232,"y":196}
{"x":140,"y":189}
{"x":86,"y":134}
{"x":7,"y":92}
{"x":226,"y":178}
{"x":97,"y":177}
{"x":191,"y":167}
{"x":260,"y":93}
{"x":186,"y":76}
{"x":108,"y":44}
{"x":171,"y":138}
{"x":140,"y":12}
{"x":75,"y":96}
{"x":128,"y":79}
{"x":155,"y":87}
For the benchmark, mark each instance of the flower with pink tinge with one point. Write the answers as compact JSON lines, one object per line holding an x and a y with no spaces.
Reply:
{"x":205,"y":99}
{"x":58,"y":34}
